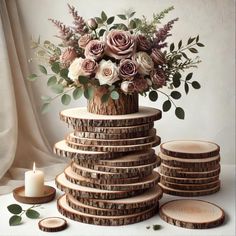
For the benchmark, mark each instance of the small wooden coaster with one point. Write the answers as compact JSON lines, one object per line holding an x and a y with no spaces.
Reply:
{"x":52,"y":224}
{"x":48,"y":195}
{"x":192,"y":214}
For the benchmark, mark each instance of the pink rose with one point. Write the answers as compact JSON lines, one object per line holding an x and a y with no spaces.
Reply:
{"x":158,"y":78}
{"x":143,"y":43}
{"x":128,"y":69}
{"x":68,"y":56}
{"x":140,"y":84}
{"x":120,"y":44}
{"x":89,"y":66}
{"x":94,"y":49}
{"x":84,"y":40}
{"x":158,"y":57}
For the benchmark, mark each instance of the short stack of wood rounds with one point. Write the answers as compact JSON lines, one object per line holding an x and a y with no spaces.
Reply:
{"x":189,"y":168}
{"x":110,"y":180}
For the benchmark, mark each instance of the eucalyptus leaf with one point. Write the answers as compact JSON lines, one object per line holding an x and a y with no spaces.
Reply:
{"x":15,"y":209}
{"x":52,"y":80}
{"x":175,"y":94}
{"x":180,"y":44}
{"x":114,"y":95}
{"x":153,"y":95}
{"x":132,"y":24}
{"x":57,"y":88}
{"x":45,"y":107}
{"x":46,"y":98}
{"x":42,"y":69}
{"x":32,"y":214}
{"x":15,"y":220}
{"x":32,"y":77}
{"x":196,"y":85}
{"x":103,"y":16}
{"x":166,"y":106}
{"x":179,"y":112}
{"x":190,"y":40}
{"x":176,"y":80}
{"x":101,"y":32}
{"x":122,"y":17}
{"x":200,"y":45}
{"x":64,"y":73}
{"x":186,"y":88}
{"x":55,"y":67}
{"x":132,"y":14}
{"x":197,"y":38}
{"x":105,"y":97}
{"x":77,"y":93}
{"x":185,"y":55}
{"x":66,"y":99}
{"x":98,"y":20}
{"x":172,"y":47}
{"x":189,"y":76}
{"x":88,"y":93}
{"x":193,"y":50}
{"x":156,"y":227}
{"x":110,"y":20}
{"x":83,"y":79}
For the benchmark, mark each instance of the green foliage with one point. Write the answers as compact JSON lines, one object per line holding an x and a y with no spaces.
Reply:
{"x":166,"y":106}
{"x":43,"y":69}
{"x":179,"y":112}
{"x":45,"y":107}
{"x":153,"y":95}
{"x":52,"y":80}
{"x":65,"y":99}
{"x":83,"y":80}
{"x":32,"y":77}
{"x":77,"y":93}
{"x":57,"y":88}
{"x":32,"y":214}
{"x":55,"y":67}
{"x":175,"y":94}
{"x":196,"y":85}
{"x":105,"y":97}
{"x":15,"y":220}
{"x":114,"y":95}
{"x":14,"y":209}
{"x":88,"y":93}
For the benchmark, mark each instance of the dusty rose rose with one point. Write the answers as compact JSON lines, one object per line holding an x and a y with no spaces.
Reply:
{"x":68,"y":56}
{"x":127,"y":86}
{"x":94,"y":49}
{"x":89,"y":66}
{"x":144,"y":62}
{"x":120,"y":44}
{"x":92,"y":24}
{"x":127,"y":69}
{"x":158,"y":57}
{"x":158,"y":78}
{"x":84,"y":40}
{"x":140,"y":85}
{"x":143,"y":43}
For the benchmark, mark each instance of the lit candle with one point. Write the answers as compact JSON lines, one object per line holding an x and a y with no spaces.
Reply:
{"x":34,"y":182}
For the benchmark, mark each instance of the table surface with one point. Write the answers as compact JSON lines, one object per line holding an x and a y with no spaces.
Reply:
{"x":225,"y":198}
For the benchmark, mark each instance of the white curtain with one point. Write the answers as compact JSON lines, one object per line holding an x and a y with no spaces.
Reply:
{"x":21,"y":139}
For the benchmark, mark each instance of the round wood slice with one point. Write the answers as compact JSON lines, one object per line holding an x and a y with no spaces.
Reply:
{"x":91,"y":135}
{"x":62,"y":149}
{"x":147,"y":198}
{"x":191,"y":193}
{"x":124,"y":148}
{"x":69,"y":212}
{"x":189,"y":163}
{"x":85,"y":192}
{"x":192,"y":214}
{"x":104,"y":142}
{"x":116,"y":130}
{"x":191,"y":186}
{"x":81,"y":117}
{"x":79,"y":206}
{"x":190,"y":149}
{"x":144,"y":183}
{"x":52,"y":224}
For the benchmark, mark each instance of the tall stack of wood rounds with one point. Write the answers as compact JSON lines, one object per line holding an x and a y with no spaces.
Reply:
{"x":110,"y":180}
{"x":189,"y":168}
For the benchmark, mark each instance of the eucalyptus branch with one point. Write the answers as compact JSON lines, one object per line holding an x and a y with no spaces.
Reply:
{"x":168,"y":96}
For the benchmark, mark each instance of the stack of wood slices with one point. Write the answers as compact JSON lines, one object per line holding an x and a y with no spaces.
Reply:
{"x":189,"y":168}
{"x":110,"y":180}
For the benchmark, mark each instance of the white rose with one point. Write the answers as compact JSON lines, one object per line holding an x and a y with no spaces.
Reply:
{"x":107,"y":72}
{"x":127,"y":87}
{"x":75,"y":69}
{"x":144,"y":61}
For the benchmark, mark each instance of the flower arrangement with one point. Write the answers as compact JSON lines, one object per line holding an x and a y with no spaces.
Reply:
{"x":122,"y":54}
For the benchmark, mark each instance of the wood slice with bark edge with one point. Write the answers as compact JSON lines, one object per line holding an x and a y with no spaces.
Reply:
{"x":79,"y":117}
{"x":62,"y":149}
{"x":52,"y":224}
{"x":104,"y":142}
{"x":144,"y":183}
{"x":105,"y":136}
{"x":116,"y":130}
{"x":193,"y":149}
{"x":147,"y":198}
{"x":191,"y":193}
{"x":125,"y":148}
{"x":85,"y":192}
{"x":67,"y":211}
{"x":188,"y":180}
{"x":190,"y":187}
{"x":130,"y":169}
{"x":79,"y":206}
{"x":192,"y":214}
{"x":189,"y":163}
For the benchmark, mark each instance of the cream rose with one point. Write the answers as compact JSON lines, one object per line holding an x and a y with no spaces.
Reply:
{"x":144,"y":61}
{"x":127,"y":86}
{"x":107,"y":72}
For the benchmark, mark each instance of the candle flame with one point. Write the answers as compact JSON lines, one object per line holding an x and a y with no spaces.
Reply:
{"x":34,"y":167}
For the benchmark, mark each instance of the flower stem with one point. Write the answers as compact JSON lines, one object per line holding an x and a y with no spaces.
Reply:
{"x":167,"y":97}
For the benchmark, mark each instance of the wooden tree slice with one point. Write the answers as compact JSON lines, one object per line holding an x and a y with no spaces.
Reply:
{"x":79,"y":206}
{"x":62,"y":149}
{"x":85,"y":192}
{"x":79,"y":117}
{"x":192,"y":214}
{"x":191,"y":186}
{"x":147,"y":182}
{"x":67,"y":211}
{"x":147,"y":198}
{"x":192,"y":163}
{"x":124,"y":148}
{"x":190,"y":149}
{"x":52,"y":224}
{"x":190,"y":193}
{"x":116,"y":130}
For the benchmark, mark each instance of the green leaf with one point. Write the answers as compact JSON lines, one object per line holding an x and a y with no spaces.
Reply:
{"x":46,"y":98}
{"x":190,"y":40}
{"x":110,"y":20}
{"x":156,"y":227}
{"x":196,"y":85}
{"x":83,"y":79}
{"x":197,"y":38}
{"x":15,"y":220}
{"x":132,"y":24}
{"x":189,"y":76}
{"x":15,"y":209}
{"x":166,"y":105}
{"x":64,"y":73}
{"x":172,"y":47}
{"x":175,"y":94}
{"x":32,"y":77}
{"x":32,"y":214}
{"x":52,"y":80}
{"x":88,"y":93}
{"x":101,"y":32}
{"x":105,"y":97}
{"x":98,"y":20}
{"x":179,"y":112}
{"x":176,"y":79}
{"x":55,"y":67}
{"x":103,"y":16}
{"x":112,"y":87}
{"x":179,"y":44}
{"x":200,"y":45}
{"x":57,"y":88}
{"x":184,"y":55}
{"x":77,"y":93}
{"x":153,"y":95}
{"x":41,"y":53}
{"x":122,"y":17}
{"x":45,"y":107}
{"x":42,"y":69}
{"x":186,"y":88}
{"x":66,"y":99}
{"x":132,"y":14}
{"x":114,"y":95}
{"x":193,"y":50}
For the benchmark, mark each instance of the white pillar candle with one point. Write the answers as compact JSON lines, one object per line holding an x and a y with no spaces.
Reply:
{"x":34,"y":183}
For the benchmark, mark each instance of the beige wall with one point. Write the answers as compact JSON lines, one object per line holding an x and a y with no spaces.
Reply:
{"x":210,"y":112}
